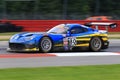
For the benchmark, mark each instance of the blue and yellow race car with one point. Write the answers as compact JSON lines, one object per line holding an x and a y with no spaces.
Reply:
{"x":61,"y":37}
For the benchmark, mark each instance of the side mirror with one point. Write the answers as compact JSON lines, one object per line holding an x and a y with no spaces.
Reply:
{"x":68,"y":34}
{"x":72,"y":31}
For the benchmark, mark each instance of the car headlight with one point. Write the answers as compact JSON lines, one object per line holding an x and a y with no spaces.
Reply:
{"x":27,"y":38}
{"x":14,"y":37}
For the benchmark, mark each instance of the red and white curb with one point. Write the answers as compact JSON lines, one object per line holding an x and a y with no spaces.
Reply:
{"x":16,"y":55}
{"x":24,"y":55}
{"x":88,"y":54}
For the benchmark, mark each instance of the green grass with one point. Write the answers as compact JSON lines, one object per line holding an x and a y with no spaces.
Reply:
{"x":8,"y":33}
{"x":114,"y":37}
{"x":103,"y":72}
{"x":4,"y":39}
{"x":113,"y":32}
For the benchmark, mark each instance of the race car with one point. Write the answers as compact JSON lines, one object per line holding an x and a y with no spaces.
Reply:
{"x":61,"y":37}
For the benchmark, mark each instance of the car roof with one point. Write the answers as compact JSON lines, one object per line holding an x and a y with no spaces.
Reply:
{"x":75,"y":24}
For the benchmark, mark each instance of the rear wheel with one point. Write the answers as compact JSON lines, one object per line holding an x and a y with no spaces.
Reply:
{"x":45,"y":44}
{"x":95,"y":44}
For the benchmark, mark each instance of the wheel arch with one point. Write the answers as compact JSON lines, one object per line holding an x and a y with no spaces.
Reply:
{"x":41,"y":40}
{"x":100,"y":37}
{"x":46,"y":36}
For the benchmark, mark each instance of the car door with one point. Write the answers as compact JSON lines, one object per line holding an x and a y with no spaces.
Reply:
{"x":76,"y":36}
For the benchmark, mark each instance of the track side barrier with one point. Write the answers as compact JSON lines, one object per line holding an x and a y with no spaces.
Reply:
{"x":43,"y":25}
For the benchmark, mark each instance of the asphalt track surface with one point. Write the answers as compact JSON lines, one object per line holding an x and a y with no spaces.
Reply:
{"x":51,"y":60}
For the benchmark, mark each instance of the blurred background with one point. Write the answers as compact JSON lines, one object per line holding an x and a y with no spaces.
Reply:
{"x":59,"y":9}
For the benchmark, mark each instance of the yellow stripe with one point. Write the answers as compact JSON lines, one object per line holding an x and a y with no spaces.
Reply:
{"x":83,"y":39}
{"x":94,"y":35}
{"x":104,"y":39}
{"x":98,"y":35}
{"x":59,"y":45}
{"x":86,"y":44}
{"x":103,"y":34}
{"x":33,"y":49}
{"x":90,"y":35}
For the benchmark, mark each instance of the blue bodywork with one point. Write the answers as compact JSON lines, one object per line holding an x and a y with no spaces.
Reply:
{"x":29,"y":41}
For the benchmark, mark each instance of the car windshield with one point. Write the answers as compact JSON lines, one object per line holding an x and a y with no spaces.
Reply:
{"x":59,"y":29}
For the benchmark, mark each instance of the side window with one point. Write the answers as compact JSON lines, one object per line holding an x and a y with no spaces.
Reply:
{"x":85,"y":30}
{"x":78,"y":30}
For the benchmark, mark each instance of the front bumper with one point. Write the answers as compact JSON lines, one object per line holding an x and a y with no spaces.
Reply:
{"x":20,"y":47}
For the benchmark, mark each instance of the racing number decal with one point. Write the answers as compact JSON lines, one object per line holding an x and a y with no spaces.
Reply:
{"x":69,"y":42}
{"x":72,"y":41}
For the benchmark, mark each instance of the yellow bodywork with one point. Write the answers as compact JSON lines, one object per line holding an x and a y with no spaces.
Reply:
{"x":32,"y":49}
{"x":86,"y":39}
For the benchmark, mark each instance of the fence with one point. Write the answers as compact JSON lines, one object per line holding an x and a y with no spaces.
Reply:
{"x":43,"y":25}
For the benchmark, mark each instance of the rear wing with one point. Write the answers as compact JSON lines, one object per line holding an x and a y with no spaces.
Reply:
{"x":104,"y":24}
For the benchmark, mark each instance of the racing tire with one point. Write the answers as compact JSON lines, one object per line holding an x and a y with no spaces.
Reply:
{"x":95,"y":44}
{"x":46,"y":45}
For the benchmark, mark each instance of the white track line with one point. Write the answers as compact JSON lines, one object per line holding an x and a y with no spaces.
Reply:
{"x":87,"y":54}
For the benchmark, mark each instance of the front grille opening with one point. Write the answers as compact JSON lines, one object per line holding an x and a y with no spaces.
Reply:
{"x":16,"y":46}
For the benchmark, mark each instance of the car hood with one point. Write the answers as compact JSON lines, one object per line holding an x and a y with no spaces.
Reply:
{"x":24,"y":34}
{"x":21,"y":37}
{"x":34,"y":36}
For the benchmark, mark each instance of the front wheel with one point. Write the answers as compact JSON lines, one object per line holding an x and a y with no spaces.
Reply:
{"x":95,"y":44}
{"x":45,"y":44}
